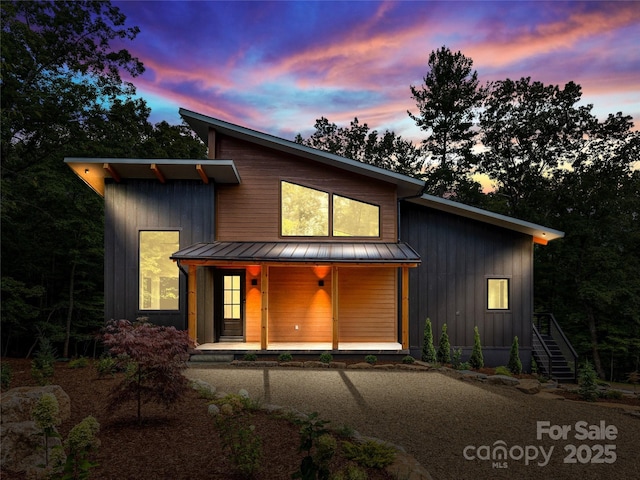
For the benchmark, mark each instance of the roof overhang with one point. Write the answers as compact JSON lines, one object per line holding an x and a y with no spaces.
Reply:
{"x":94,"y":171}
{"x":201,"y":124}
{"x":541,"y":235}
{"x":298,"y":253}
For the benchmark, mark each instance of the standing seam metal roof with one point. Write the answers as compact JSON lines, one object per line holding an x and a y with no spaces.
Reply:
{"x":302,"y":252}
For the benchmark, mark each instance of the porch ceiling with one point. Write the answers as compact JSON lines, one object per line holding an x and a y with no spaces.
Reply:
{"x":299,"y":253}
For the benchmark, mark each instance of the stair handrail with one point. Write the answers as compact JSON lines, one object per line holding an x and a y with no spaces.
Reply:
{"x":546,"y":351}
{"x":554,"y":331}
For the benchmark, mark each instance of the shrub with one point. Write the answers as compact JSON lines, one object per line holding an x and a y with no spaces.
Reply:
{"x":515,"y":365}
{"x":46,"y":415}
{"x":465,"y":366}
{"x":613,"y":395}
{"x":534,"y":366}
{"x":242,"y":443}
{"x":588,"y":383}
{"x":106,"y":366}
{"x":476,"y":360}
{"x":80,"y":362}
{"x":80,"y":442}
{"x":428,"y":350}
{"x":312,"y":428}
{"x":5,"y":375}
{"x":345,"y":431}
{"x":156,"y":357}
{"x":351,"y":472}
{"x":285,"y":357}
{"x":502,"y":370}
{"x":444,"y":348}
{"x":326,"y":357}
{"x":371,"y":359}
{"x":250,"y":357}
{"x":408,"y":359}
{"x":370,"y":454}
{"x":42,"y":364}
{"x":456,"y":359}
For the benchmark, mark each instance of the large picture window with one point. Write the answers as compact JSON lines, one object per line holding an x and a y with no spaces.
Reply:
{"x":498,"y":293}
{"x":352,"y":218}
{"x":305,"y":212}
{"x":159,"y":286}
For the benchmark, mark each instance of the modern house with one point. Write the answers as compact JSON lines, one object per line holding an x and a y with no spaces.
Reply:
{"x":269,"y":245}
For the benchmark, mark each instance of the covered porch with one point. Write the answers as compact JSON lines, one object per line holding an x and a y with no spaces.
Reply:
{"x":300,"y":296}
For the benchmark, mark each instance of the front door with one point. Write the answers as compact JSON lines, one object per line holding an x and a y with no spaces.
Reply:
{"x":230,"y":301}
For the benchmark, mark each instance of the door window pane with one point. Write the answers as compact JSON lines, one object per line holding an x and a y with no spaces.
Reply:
{"x":159,"y":281}
{"x":232,"y":297}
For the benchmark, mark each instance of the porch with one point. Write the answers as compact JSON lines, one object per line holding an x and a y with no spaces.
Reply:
{"x":276,"y":348}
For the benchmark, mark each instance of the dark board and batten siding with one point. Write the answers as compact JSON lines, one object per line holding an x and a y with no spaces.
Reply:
{"x":135,"y":205}
{"x":458,"y":255}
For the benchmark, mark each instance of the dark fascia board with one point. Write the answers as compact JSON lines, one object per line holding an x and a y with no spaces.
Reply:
{"x":93,"y":172}
{"x":407,"y":186}
{"x":539,"y":232}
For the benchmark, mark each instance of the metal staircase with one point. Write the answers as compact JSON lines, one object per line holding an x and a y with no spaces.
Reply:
{"x":552,"y":351}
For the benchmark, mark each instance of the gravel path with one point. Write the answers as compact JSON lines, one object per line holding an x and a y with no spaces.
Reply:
{"x":437,"y":418}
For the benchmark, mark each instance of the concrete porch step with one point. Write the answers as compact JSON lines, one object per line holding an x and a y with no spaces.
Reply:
{"x":211,"y":358}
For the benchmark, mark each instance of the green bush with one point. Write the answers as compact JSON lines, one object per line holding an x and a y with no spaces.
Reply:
{"x":350,"y":472}
{"x":444,"y":348}
{"x":106,"y":366}
{"x":242,"y":443}
{"x":370,"y":454}
{"x":428,"y":350}
{"x":456,"y":359}
{"x":502,"y":370}
{"x":326,"y":357}
{"x":515,"y":365}
{"x":80,"y":443}
{"x":588,"y":383}
{"x":285,"y":357}
{"x":371,"y":359}
{"x":312,"y":429}
{"x":46,"y":415}
{"x":408,"y":359}
{"x":80,"y":362}
{"x":250,"y":357}
{"x":613,"y":395}
{"x":5,"y":375}
{"x":42,"y":363}
{"x":465,"y":366}
{"x":476,"y":360}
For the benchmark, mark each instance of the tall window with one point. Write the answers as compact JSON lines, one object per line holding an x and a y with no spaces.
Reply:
{"x":307,"y":212}
{"x":498,"y":293}
{"x":352,"y":218}
{"x":159,"y":286}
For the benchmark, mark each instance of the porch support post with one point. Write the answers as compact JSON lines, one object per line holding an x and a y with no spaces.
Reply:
{"x":335,"y":327}
{"x":264,"y":307}
{"x":192,"y":304}
{"x":405,"y":307}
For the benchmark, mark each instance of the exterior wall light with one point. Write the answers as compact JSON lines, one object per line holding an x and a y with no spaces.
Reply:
{"x":321,"y":283}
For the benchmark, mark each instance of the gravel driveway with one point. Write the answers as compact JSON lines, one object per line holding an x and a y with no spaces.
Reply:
{"x":451,"y":426}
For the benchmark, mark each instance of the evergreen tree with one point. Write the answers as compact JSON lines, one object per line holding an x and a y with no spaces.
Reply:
{"x":476,"y":360}
{"x":444,"y":348}
{"x":428,"y":350}
{"x":515,"y":365}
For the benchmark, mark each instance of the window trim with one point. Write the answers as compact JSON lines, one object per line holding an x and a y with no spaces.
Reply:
{"x":153,"y":311}
{"x":509,"y":300}
{"x":331,"y":194}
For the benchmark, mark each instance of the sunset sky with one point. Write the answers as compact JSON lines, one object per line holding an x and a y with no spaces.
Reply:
{"x":278,"y":66}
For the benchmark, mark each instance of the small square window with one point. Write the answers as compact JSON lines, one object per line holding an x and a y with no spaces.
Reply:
{"x":498,"y":293}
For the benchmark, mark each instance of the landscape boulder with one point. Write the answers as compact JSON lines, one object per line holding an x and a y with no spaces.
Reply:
{"x":529,"y":386}
{"x":17,"y":403}
{"x":502,"y":380}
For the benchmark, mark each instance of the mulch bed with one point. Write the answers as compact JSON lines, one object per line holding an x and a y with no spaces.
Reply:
{"x":179,"y":443}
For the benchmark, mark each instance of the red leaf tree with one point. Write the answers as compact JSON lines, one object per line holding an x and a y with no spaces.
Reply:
{"x":154,"y":357}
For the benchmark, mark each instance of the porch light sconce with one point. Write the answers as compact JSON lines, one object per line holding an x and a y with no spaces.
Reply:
{"x":321,"y":283}
{"x":254,"y":281}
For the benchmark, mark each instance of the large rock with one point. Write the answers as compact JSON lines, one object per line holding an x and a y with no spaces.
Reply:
{"x":502,"y":380}
{"x":17,"y":403}
{"x":21,"y":441}
{"x":529,"y":386}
